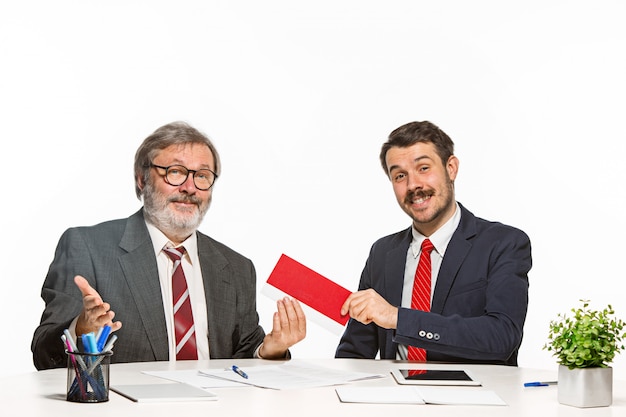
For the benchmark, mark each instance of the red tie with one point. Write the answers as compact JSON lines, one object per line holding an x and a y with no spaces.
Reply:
{"x":183,"y":318}
{"x":420,"y":300}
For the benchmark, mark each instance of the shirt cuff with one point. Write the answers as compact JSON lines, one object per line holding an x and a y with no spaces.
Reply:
{"x":257,"y":354}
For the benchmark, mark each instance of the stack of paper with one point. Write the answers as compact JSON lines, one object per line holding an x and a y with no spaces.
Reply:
{"x":418,"y":395}
{"x":290,"y":375}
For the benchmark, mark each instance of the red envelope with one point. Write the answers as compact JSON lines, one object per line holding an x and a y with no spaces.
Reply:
{"x":310,"y":288}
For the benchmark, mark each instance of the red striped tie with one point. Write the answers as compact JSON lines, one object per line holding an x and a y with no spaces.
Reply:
{"x":183,"y":318}
{"x":420,"y":299}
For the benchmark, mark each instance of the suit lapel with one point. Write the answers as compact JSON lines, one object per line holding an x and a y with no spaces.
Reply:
{"x":395,"y":263}
{"x":456,"y":252}
{"x":142,"y":277}
{"x":219,"y":291}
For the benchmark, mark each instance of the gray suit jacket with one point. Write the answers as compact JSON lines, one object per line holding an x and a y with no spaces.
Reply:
{"x":117,"y":258}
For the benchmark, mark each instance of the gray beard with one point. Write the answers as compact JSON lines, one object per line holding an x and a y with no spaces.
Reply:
{"x":157,"y":212}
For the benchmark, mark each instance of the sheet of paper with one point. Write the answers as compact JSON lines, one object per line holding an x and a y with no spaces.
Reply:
{"x":379,"y":395}
{"x":321,"y":295}
{"x":418,"y":395}
{"x":291,"y":375}
{"x":195,"y":378}
{"x":163,"y":392}
{"x":459,"y":396}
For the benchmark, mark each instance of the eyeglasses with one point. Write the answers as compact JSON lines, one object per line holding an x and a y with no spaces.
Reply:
{"x":176,"y":175}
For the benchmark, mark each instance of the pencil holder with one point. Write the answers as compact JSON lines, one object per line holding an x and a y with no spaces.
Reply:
{"x":88,"y":376}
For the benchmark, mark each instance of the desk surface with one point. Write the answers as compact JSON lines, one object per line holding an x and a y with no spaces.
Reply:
{"x":43,"y":393}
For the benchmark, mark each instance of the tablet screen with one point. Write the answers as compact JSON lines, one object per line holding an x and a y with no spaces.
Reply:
{"x":448,"y":376}
{"x":434,"y":375}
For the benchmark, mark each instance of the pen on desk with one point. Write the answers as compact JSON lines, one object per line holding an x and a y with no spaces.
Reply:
{"x":539,"y":383}
{"x":241,"y":373}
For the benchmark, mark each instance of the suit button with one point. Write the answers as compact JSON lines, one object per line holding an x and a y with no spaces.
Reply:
{"x":422,"y":333}
{"x":429,"y":335}
{"x":436,"y":336}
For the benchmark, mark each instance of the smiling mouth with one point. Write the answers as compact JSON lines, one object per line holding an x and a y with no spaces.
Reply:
{"x":418,"y":198}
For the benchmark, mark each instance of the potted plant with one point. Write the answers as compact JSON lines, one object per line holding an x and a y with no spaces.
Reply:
{"x":585,"y":344}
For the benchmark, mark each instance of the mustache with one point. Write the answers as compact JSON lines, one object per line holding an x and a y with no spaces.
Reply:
{"x":185,"y":199}
{"x":411,"y":195}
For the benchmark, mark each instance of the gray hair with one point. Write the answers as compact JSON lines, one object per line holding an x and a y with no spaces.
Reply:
{"x":175,"y":133}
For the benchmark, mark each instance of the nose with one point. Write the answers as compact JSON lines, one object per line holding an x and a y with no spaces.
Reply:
{"x":414,"y":182}
{"x":188,"y":186}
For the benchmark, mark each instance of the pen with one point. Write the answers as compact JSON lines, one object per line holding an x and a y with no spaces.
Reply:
{"x":107,"y":348}
{"x":539,"y":383}
{"x":241,"y":373}
{"x":109,"y":344}
{"x":99,"y":333}
{"x":70,"y":341}
{"x":71,"y":347}
{"x":102,"y":336}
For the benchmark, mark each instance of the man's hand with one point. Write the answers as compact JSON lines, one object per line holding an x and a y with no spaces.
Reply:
{"x":368,"y":306}
{"x":96,"y":313}
{"x":289,"y":328}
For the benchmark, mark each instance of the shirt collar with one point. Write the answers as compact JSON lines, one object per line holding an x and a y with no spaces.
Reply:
{"x":160,"y":241}
{"x":440,"y":238}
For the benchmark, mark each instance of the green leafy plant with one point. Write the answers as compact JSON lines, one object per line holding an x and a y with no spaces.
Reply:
{"x":591,"y":338}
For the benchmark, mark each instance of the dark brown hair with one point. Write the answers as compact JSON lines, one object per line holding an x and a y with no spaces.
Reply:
{"x":414,"y":132}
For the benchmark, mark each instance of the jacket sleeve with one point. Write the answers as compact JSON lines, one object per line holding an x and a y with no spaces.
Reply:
{"x":63,"y":301}
{"x":362,"y":341}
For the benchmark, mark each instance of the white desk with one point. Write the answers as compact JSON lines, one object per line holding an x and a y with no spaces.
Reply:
{"x":43,"y":394}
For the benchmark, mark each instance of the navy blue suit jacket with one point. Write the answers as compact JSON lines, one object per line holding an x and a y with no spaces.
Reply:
{"x":479,"y":302}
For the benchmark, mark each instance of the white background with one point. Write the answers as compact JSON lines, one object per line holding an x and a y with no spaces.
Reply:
{"x":298,"y":97}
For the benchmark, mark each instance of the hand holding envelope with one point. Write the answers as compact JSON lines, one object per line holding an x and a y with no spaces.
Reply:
{"x":368,"y":306}
{"x":311,"y":289}
{"x":288,"y":328}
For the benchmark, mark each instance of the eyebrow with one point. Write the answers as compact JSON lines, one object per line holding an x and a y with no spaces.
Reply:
{"x":416,"y":160}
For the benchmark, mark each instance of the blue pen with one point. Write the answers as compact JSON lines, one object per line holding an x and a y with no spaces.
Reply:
{"x":103,"y":335}
{"x":539,"y":383}
{"x":238,"y":371}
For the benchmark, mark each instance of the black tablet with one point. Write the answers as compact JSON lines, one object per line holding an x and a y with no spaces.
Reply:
{"x":418,"y":376}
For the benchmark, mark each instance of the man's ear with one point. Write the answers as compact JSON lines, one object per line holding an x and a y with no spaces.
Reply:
{"x":452,"y":167}
{"x":140,"y":182}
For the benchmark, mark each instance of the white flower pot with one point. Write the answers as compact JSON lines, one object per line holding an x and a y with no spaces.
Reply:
{"x":585,"y":387}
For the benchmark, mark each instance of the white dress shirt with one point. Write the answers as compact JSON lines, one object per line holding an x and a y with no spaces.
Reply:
{"x":440,"y":240}
{"x":193,"y":274}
